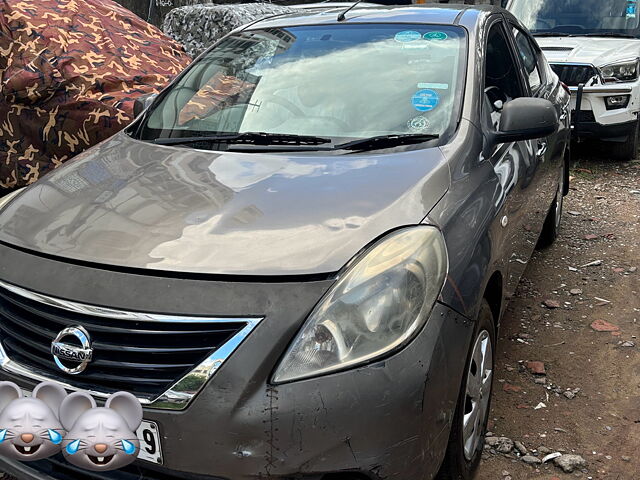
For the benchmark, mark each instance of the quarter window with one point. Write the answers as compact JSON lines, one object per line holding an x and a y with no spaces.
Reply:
{"x":529,"y":59}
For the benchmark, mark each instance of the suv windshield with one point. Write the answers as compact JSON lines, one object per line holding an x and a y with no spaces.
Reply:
{"x":578,"y":17}
{"x":338,"y":82}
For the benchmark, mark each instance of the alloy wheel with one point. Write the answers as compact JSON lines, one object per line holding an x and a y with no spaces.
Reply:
{"x":478,"y":392}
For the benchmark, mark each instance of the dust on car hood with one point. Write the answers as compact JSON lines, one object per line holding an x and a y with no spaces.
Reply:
{"x":598,"y":51}
{"x":134,"y":204}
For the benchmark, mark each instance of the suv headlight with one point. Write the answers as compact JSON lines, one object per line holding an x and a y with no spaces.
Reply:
{"x":622,"y":72}
{"x":4,"y":201}
{"x":376,"y":306}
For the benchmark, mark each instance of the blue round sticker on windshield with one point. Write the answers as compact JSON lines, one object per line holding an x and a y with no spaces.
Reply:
{"x":408,"y":36}
{"x":425,"y":100}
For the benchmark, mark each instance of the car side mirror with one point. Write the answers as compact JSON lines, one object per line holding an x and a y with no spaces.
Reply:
{"x":142,"y":103}
{"x":526,"y":119}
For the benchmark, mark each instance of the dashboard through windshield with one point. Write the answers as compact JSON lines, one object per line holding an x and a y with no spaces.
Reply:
{"x":340,"y":82}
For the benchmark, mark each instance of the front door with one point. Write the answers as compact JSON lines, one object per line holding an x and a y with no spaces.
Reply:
{"x":515,"y":164}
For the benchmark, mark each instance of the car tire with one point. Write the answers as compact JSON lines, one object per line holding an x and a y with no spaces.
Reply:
{"x":627,"y":150}
{"x":551,"y":227}
{"x":464,"y":450}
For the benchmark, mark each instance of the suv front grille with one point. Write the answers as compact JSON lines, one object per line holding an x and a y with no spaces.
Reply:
{"x":144,"y":354}
{"x":573,"y":75}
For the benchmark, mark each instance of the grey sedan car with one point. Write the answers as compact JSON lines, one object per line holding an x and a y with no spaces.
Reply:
{"x":298,"y":256}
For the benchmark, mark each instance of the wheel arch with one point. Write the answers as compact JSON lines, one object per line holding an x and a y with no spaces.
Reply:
{"x":494,"y":295}
{"x":567,"y":168}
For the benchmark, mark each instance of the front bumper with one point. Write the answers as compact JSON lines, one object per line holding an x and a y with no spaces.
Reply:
{"x":591,"y":119}
{"x":389,"y":419}
{"x":619,"y":132}
{"x":58,"y":469}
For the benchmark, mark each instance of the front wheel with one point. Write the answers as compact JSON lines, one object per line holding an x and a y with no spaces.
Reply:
{"x":627,"y":150}
{"x":472,"y":412}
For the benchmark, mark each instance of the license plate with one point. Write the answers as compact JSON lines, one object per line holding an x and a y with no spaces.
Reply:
{"x":150,"y":447}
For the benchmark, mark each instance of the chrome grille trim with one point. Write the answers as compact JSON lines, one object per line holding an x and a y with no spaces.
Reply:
{"x":176,"y":397}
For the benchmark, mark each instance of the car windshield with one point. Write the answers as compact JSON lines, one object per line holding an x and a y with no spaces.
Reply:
{"x":339,"y":82}
{"x":578,"y":17}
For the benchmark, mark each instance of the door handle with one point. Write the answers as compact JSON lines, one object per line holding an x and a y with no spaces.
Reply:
{"x":542,"y":148}
{"x":565,"y":112}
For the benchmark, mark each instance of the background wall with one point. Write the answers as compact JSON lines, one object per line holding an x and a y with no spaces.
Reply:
{"x":139,"y":7}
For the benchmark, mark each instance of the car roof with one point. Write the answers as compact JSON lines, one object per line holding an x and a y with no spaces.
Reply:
{"x":329,"y":5}
{"x":441,"y":14}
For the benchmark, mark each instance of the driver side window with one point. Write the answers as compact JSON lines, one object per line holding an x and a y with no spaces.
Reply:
{"x":502,"y":79}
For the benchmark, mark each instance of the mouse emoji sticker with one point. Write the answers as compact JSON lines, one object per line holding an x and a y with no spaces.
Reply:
{"x":29,"y":426}
{"x":101,"y":438}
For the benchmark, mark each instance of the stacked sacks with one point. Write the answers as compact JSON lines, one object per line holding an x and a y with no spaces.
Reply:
{"x":70,"y":71}
{"x":158,"y":9}
{"x":199,"y":26}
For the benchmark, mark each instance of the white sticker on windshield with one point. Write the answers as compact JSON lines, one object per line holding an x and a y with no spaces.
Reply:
{"x":418,"y":124}
{"x":436,"y":86}
{"x":410,"y":46}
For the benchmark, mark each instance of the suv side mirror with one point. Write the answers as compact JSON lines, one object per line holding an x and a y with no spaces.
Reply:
{"x":526,"y":119}
{"x":142,"y":103}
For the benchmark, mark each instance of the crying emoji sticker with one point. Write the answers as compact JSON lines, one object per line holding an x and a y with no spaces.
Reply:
{"x":101,"y":438}
{"x":29,"y":426}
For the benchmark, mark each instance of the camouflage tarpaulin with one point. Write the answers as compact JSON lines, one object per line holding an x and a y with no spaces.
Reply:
{"x":70,"y":72}
{"x":197,"y":27}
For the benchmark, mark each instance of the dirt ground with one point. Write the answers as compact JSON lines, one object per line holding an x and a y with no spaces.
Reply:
{"x":601,"y":422}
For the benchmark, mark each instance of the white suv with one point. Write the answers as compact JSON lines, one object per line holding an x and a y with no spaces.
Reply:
{"x":594,"y":47}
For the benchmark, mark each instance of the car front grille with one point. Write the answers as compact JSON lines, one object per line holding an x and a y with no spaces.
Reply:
{"x":572,"y":74}
{"x":144,"y":354}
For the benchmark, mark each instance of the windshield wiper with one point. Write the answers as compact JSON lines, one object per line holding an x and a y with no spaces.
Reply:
{"x":254,"y":138}
{"x":386,"y":141}
{"x":605,"y":34}
{"x":551,"y":34}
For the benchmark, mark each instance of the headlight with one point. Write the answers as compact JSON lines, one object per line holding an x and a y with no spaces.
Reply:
{"x":4,"y":201}
{"x":622,"y":72}
{"x":375,"y":307}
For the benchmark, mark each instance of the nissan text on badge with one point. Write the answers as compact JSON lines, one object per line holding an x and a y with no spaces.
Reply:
{"x":298,"y":256}
{"x":594,"y":47}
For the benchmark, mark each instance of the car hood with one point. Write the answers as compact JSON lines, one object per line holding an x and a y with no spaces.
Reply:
{"x":598,"y":51}
{"x":134,"y":204}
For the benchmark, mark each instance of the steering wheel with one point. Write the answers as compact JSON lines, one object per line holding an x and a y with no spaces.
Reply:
{"x":297,"y":112}
{"x":336,"y":121}
{"x":494,"y":94}
{"x":283,"y":102}
{"x":539,"y":25}
{"x":568,"y":29}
